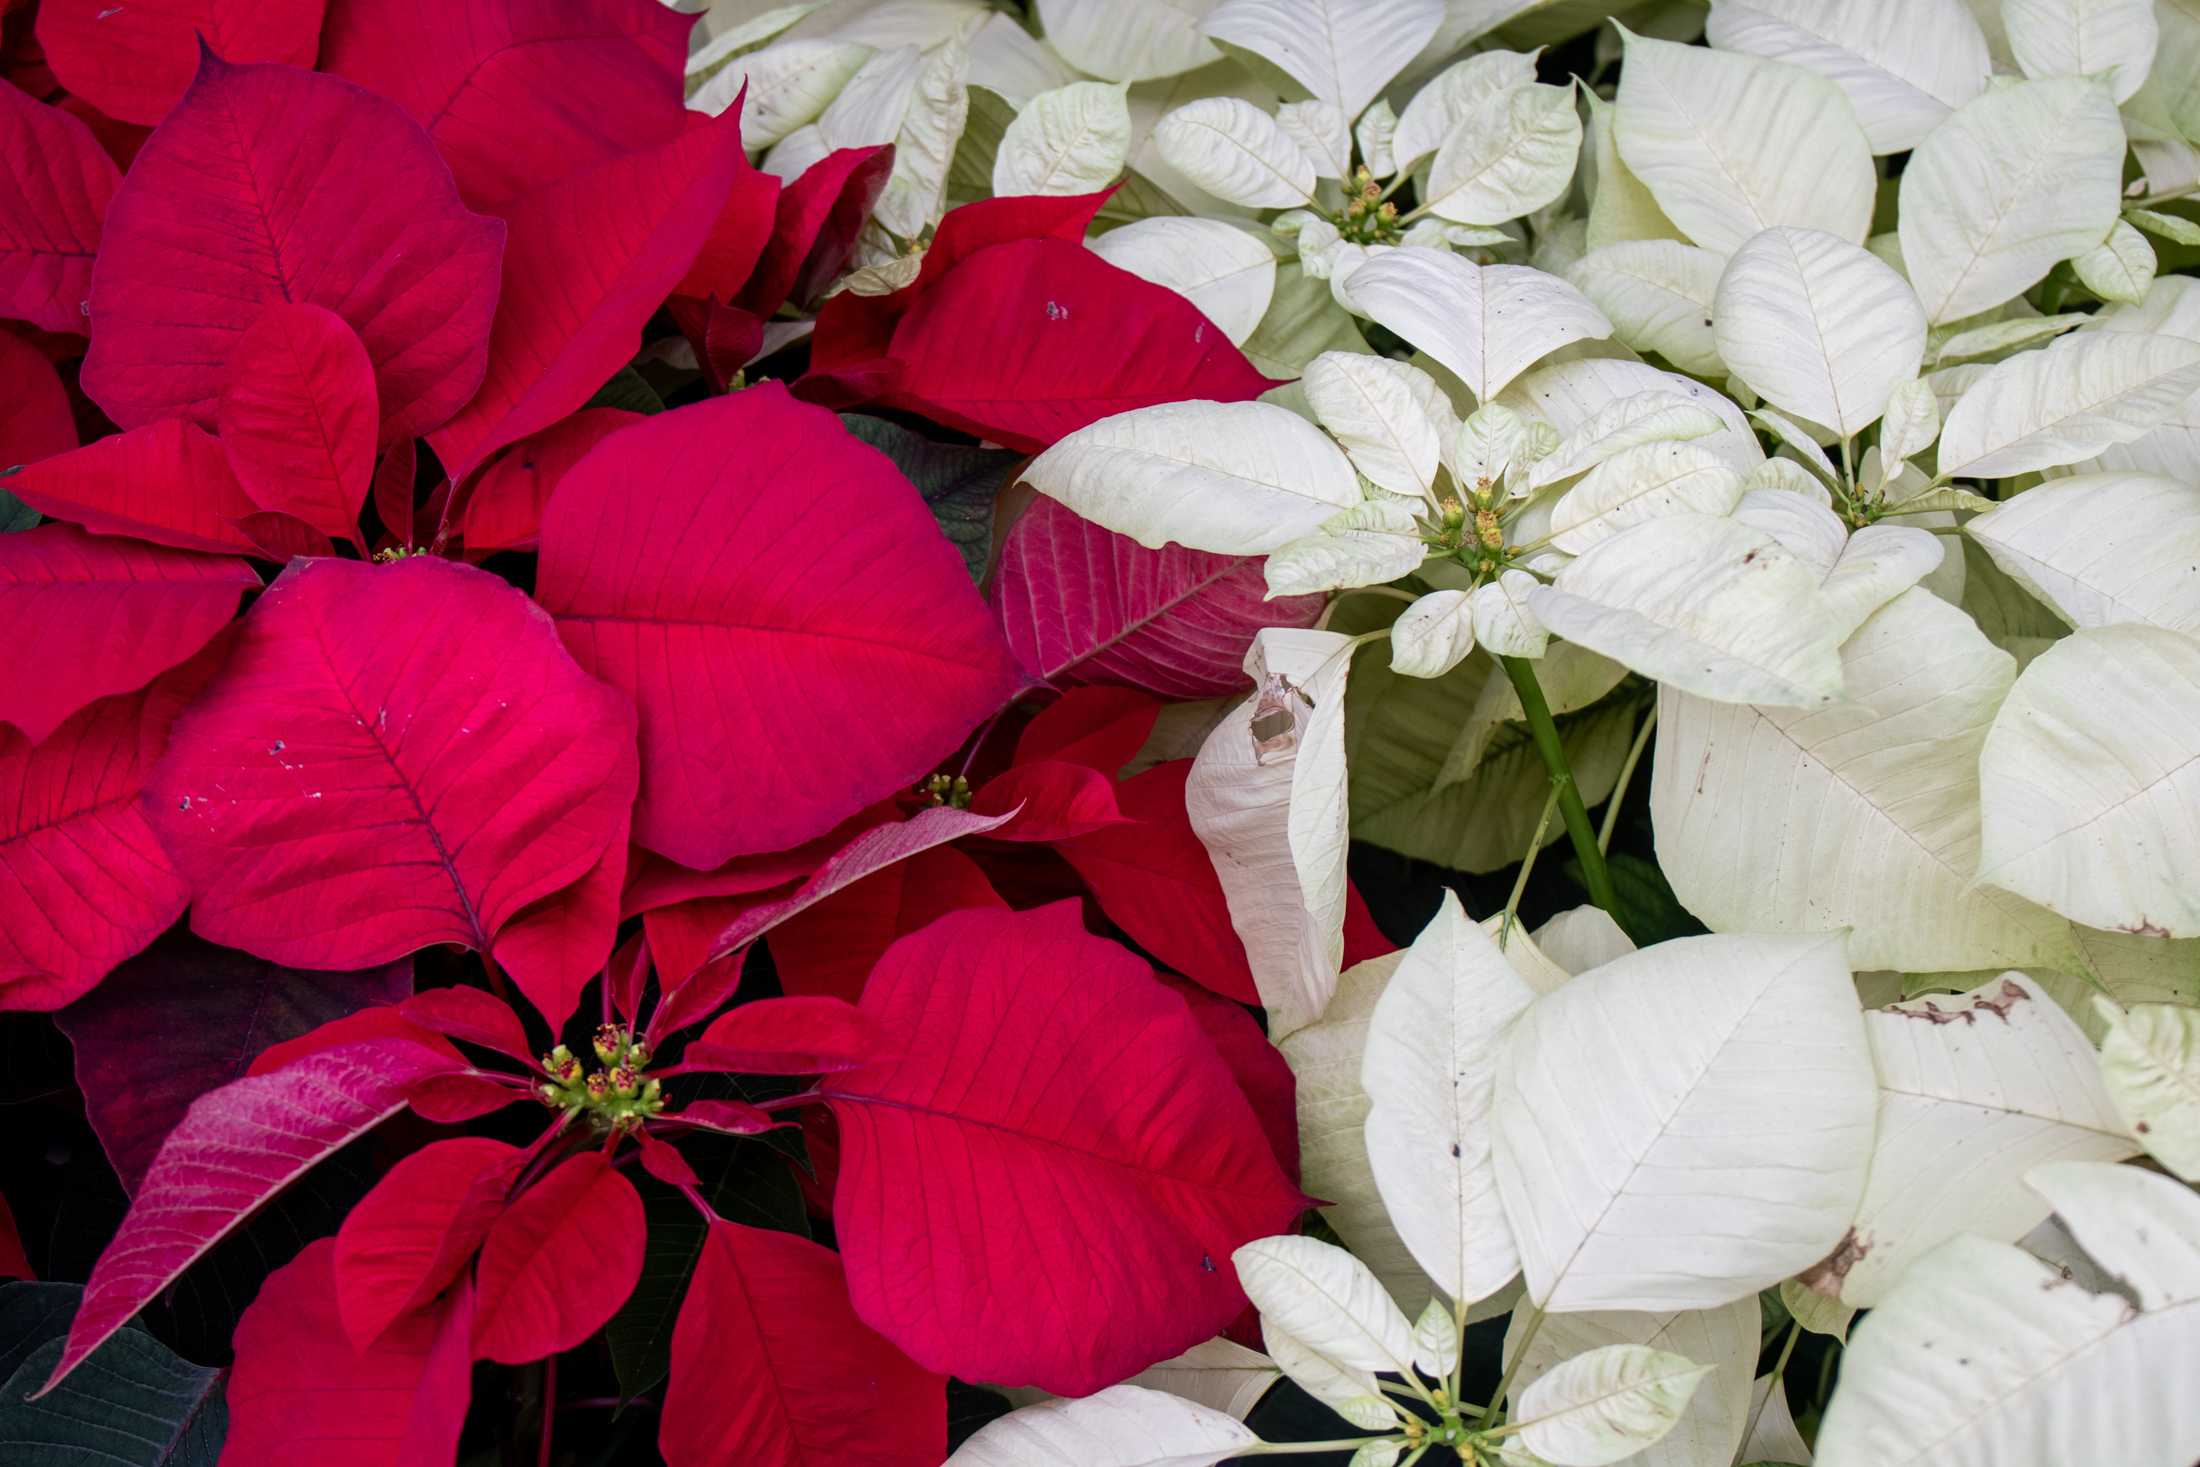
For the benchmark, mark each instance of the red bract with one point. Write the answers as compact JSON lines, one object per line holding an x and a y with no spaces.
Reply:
{"x":1082,"y":604}
{"x":518,"y":93}
{"x":1016,"y":332}
{"x":302,"y":1392}
{"x":555,"y":946}
{"x":799,"y":638}
{"x":504,"y":512}
{"x":590,"y":258}
{"x":83,"y":882}
{"x":90,"y":616}
{"x":168,"y":483}
{"x":1104,"y":1177}
{"x":55,"y":182}
{"x":831,"y":947}
{"x":298,"y":418}
{"x":814,"y":228}
{"x":35,"y":422}
{"x":237,"y":1147}
{"x":558,"y":1262}
{"x":769,"y":1358}
{"x":786,"y":1036}
{"x":272,"y":184}
{"x":359,"y":782}
{"x":416,"y":1232}
{"x":145,"y":1049}
{"x":135,"y":61}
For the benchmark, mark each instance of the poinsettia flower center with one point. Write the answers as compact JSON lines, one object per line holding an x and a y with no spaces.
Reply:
{"x":617,"y":1097}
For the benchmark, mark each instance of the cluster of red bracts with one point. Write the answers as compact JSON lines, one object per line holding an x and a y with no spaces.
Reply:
{"x":747,"y":643}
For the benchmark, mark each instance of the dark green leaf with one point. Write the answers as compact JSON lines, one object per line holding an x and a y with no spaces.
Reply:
{"x":746,"y":1181}
{"x":15,"y":514}
{"x":1649,"y":912}
{"x":959,"y":481}
{"x":970,"y":172}
{"x":133,"y":1403}
{"x":628,"y":390}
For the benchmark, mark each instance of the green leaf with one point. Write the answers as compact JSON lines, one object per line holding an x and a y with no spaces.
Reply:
{"x":134,"y":1403}
{"x":1136,"y":197}
{"x":958,"y":481}
{"x":746,"y":1181}
{"x":2172,"y":227}
{"x":628,"y":389}
{"x":1649,"y":911}
{"x":970,"y":172}
{"x":14,"y":513}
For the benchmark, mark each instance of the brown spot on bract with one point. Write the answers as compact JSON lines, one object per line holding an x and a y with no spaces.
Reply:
{"x":1825,"y":1276}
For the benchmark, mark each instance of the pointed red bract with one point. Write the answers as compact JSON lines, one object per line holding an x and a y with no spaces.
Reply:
{"x":686,"y":936}
{"x":518,"y":93}
{"x":473,"y":1016}
{"x":55,"y":183}
{"x":737,"y":238}
{"x":662,"y":1160}
{"x":168,"y":483}
{"x":84,"y":883}
{"x":35,"y":421}
{"x":392,"y":491}
{"x":558,"y":1263}
{"x":1082,"y":604}
{"x":1104,"y":1173}
{"x":272,"y":184}
{"x":134,"y":61}
{"x":416,"y":1231}
{"x":1053,"y":800}
{"x":298,"y":417}
{"x":464,"y":1095}
{"x":394,"y":755}
{"x":590,"y":259}
{"x":771,"y":1368}
{"x":786,"y":1036}
{"x":830,"y":947}
{"x":302,"y":1393}
{"x":1258,"y":1066}
{"x":235,"y":1148}
{"x":505,"y":509}
{"x":797,"y":634}
{"x":733,"y":1117}
{"x":90,"y":616}
{"x":368,"y":1025}
{"x":146,"y":1048}
{"x":554,"y":947}
{"x":14,"y":1262}
{"x":1099,"y":727}
{"x":1155,"y":880}
{"x":814,"y":228}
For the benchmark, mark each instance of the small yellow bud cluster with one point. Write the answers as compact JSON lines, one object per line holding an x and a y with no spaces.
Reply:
{"x":1367,"y":217}
{"x":616,"y":1097}
{"x":942,"y":790}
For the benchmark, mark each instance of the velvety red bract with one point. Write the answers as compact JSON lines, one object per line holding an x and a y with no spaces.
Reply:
{"x":55,"y":183}
{"x":298,"y":417}
{"x":416,"y":1231}
{"x":772,"y":1368}
{"x":35,"y":421}
{"x":686,"y":936}
{"x":84,"y":883}
{"x":657,"y":882}
{"x":737,"y":238}
{"x":266,"y":184}
{"x":392,"y":491}
{"x":1259,"y":1068}
{"x":1154,"y":880}
{"x":1054,"y":800}
{"x":134,"y":61}
{"x":464,"y":1095}
{"x":368,"y":1025}
{"x":1099,"y":727}
{"x":235,"y":1148}
{"x":554,"y":947}
{"x":14,"y":1262}
{"x":168,"y":483}
{"x":831,"y":946}
{"x":814,"y":227}
{"x":662,"y":1160}
{"x":90,"y":616}
{"x":558,"y":1263}
{"x":591,"y":257}
{"x":1025,"y":343}
{"x":518,"y":93}
{"x":145,"y":1048}
{"x":504,"y":511}
{"x":1103,"y":1178}
{"x":1081,"y":604}
{"x":798,"y":636}
{"x":360,"y":782}
{"x":802,"y":1035}
{"x":733,"y":1117}
{"x":302,"y":1392}
{"x":470,"y":1015}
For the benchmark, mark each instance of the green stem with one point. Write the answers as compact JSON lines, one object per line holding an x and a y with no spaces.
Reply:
{"x":1626,"y":776}
{"x":1282,"y":1449}
{"x":1779,"y":1369}
{"x":1544,"y":731}
{"x":1527,"y":864}
{"x":1512,"y":1367}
